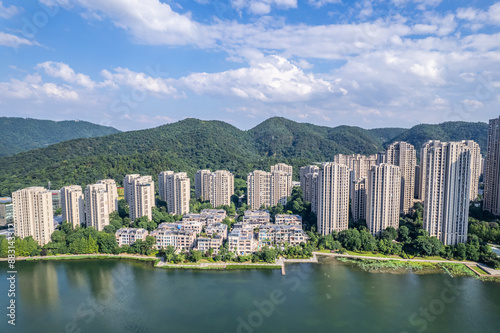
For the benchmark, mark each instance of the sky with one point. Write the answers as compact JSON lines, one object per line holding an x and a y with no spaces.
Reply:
{"x":135,"y":64}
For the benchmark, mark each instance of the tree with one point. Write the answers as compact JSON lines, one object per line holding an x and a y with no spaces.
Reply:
{"x":195,"y":256}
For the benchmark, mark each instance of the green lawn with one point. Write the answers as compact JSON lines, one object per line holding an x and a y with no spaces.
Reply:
{"x":479,"y":270}
{"x":371,"y":254}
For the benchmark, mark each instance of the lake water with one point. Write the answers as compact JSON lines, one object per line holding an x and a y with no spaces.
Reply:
{"x":129,"y":296}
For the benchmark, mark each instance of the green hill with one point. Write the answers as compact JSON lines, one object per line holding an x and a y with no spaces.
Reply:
{"x":193,"y":144}
{"x":21,"y":134}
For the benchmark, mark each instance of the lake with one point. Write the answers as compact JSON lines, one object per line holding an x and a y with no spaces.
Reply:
{"x":123,"y":295}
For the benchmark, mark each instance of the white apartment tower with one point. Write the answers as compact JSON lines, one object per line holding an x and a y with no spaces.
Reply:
{"x":475,"y":167}
{"x":358,"y":199}
{"x":33,"y":214}
{"x":403,"y":155}
{"x":281,"y":184}
{"x":175,"y":189}
{"x":221,"y":188}
{"x":259,"y":189}
{"x":127,"y":186}
{"x":112,"y":193}
{"x":202,"y":184}
{"x":491,"y":202}
{"x":447,"y":190}
{"x":72,"y":204}
{"x":142,"y":198}
{"x":309,"y":185}
{"x":96,"y":206}
{"x":383,"y":197}
{"x":333,"y":200}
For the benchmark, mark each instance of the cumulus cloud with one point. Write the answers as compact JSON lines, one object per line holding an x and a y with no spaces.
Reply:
{"x":32,"y":87}
{"x":321,"y":3}
{"x":262,"y":7}
{"x":63,"y":71}
{"x":140,"y":81}
{"x":271,"y":79}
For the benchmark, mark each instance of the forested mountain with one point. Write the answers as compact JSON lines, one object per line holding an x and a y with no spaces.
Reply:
{"x":21,"y":134}
{"x":193,"y":144}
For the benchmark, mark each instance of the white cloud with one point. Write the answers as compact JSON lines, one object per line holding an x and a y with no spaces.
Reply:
{"x":272,"y":79}
{"x":63,"y":71}
{"x":480,"y":17}
{"x":321,"y":3}
{"x":13,"y":41}
{"x":140,"y":82}
{"x":262,"y":7}
{"x":7,"y":12}
{"x":32,"y":87}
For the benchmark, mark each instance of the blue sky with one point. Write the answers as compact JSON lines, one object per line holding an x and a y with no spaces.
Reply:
{"x":136,"y":64}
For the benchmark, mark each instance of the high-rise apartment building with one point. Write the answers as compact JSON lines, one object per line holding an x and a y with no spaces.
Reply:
{"x":221,"y":188}
{"x":202,"y":184}
{"x":96,"y":206}
{"x":402,"y":154}
{"x":303,"y":172}
{"x":491,"y":202}
{"x":447,"y":190}
{"x":33,"y":214}
{"x":269,"y":188}
{"x":310,"y":188}
{"x":358,"y":199}
{"x":73,"y":208}
{"x":142,"y":199}
{"x":333,"y":198}
{"x":383,"y":197}
{"x":112,"y":193}
{"x":175,"y":189}
{"x":423,"y":165}
{"x":127,"y":186}
{"x":475,"y":167}
{"x":259,"y":189}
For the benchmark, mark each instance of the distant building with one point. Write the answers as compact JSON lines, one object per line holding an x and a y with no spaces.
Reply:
{"x":491,"y":202}
{"x":96,"y":206}
{"x":273,"y":235}
{"x":6,"y":211}
{"x":256,"y":217}
{"x":72,"y":202}
{"x":447,"y":190}
{"x":216,"y":229}
{"x":309,"y":185}
{"x":127,"y":186}
{"x":33,"y":214}
{"x":204,"y":244}
{"x":195,"y":226}
{"x":269,"y":189}
{"x":202,"y":184}
{"x":403,"y":155}
{"x":358,"y":199}
{"x":475,"y":167}
{"x":175,"y":189}
{"x":112,"y":193}
{"x":242,"y":241}
{"x":383,"y":197}
{"x":142,"y":198}
{"x":128,"y":236}
{"x":206,"y":216}
{"x":288,"y":219}
{"x":181,"y":240}
{"x":56,"y":200}
{"x":333,"y":198}
{"x":221,"y":188}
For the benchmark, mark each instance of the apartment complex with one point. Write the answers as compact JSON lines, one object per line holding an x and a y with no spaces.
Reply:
{"x":256,"y":217}
{"x":128,"y":236}
{"x":447,"y":189}
{"x":403,"y":155}
{"x":206,"y":216}
{"x":288,"y":219}
{"x":278,"y":234}
{"x":6,"y":211}
{"x":383,"y":197}
{"x":333,"y":198}
{"x":194,"y":226}
{"x":309,"y":184}
{"x":181,"y":240}
{"x":202,"y":184}
{"x":241,"y":240}
{"x":127,"y":186}
{"x":475,"y":167}
{"x":358,"y":198}
{"x":33,"y":214}
{"x":359,"y":164}
{"x":112,"y":193}
{"x":96,"y":206}
{"x":216,"y":229}
{"x":72,"y":203}
{"x":491,"y":201}
{"x":175,"y":189}
{"x":141,"y":197}
{"x":269,"y":188}
{"x":221,"y":188}
{"x":204,"y":244}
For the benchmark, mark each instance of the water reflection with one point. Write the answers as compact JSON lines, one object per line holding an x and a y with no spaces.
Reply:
{"x":39,"y":286}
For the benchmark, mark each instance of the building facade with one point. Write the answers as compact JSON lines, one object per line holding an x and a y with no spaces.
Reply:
{"x":403,"y":155}
{"x":112,"y":193}
{"x":221,"y":188}
{"x":383,"y":198}
{"x":96,"y":206}
{"x":447,"y":190}
{"x":72,"y":203}
{"x":142,"y":198}
{"x":202,"y":185}
{"x":175,"y":189}
{"x":128,"y":236}
{"x":33,"y":214}
{"x":259,"y":189}
{"x":491,"y":202}
{"x":333,"y":200}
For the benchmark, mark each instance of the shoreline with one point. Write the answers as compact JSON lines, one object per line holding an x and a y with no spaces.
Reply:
{"x":279,"y":264}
